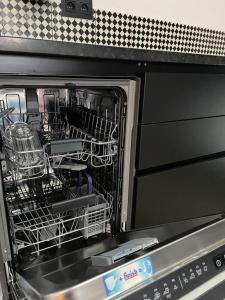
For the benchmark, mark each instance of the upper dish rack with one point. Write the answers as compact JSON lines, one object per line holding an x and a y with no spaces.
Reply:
{"x":93,"y":140}
{"x":35,"y":147}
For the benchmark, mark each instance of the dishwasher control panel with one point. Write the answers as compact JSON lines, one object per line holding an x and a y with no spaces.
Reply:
{"x":183,"y":280}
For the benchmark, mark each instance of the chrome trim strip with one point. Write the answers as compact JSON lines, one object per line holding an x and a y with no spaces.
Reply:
{"x":129,"y":149}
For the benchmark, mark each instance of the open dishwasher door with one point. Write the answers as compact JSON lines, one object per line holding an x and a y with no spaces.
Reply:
{"x":67,"y":174}
{"x":190,"y":267}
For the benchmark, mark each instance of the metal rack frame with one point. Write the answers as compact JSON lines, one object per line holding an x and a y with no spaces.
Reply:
{"x":97,"y":153}
{"x":36,"y":226}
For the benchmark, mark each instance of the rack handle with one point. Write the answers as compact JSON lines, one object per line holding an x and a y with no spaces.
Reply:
{"x":71,"y":204}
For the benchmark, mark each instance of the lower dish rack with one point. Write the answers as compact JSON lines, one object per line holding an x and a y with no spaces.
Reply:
{"x":39,"y":223}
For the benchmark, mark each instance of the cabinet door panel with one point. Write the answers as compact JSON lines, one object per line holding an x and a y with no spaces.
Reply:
{"x":181,"y":193}
{"x":167,"y":143}
{"x":179,"y":96}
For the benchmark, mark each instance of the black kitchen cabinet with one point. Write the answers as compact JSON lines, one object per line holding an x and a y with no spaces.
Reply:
{"x":180,"y":96}
{"x":172,"y":142}
{"x":180,"y":193}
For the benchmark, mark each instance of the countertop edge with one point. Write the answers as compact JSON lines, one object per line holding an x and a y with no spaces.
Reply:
{"x":10,"y":45}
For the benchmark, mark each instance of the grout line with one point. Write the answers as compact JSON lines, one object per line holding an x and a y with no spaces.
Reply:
{"x":95,"y":26}
{"x":52,"y":25}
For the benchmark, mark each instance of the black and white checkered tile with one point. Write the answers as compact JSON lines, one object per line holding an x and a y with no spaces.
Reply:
{"x":1,"y":20}
{"x":27,"y":18}
{"x":113,"y":29}
{"x":70,"y":29}
{"x":167,"y":36}
{"x":41,"y":19}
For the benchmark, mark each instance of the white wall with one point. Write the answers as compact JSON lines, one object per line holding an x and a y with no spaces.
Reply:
{"x":203,"y":13}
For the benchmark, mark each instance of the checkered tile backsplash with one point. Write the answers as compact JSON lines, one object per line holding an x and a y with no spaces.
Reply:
{"x":69,"y":29}
{"x":41,"y":19}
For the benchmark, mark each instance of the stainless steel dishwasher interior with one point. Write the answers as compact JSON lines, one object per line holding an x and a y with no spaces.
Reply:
{"x":64,"y":160}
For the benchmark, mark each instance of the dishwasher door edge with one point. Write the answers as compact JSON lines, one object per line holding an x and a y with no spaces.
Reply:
{"x":164,"y":260}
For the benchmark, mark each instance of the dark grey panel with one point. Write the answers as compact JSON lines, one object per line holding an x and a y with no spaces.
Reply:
{"x":166,"y":231}
{"x":178,"y":96}
{"x":167,"y":143}
{"x":182,"y":193}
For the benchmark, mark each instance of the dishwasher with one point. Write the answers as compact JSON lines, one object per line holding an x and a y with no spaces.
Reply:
{"x":66,"y":171}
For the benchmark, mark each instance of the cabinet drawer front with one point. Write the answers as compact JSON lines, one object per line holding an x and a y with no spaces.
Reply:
{"x":179,"y":96}
{"x":187,"y":192}
{"x":167,"y":143}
